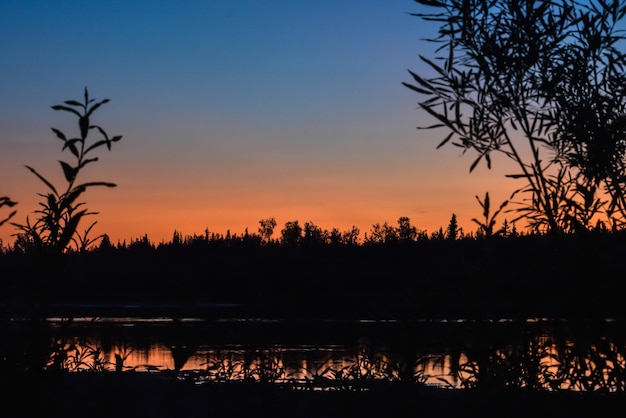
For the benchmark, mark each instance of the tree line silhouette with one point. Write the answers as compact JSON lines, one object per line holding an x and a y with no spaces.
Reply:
{"x":390,"y":276}
{"x":294,"y":234}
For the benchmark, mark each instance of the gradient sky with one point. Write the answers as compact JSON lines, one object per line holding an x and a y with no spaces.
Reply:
{"x":232,"y":112}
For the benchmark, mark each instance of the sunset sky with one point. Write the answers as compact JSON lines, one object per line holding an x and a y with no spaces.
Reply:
{"x":232,"y":112}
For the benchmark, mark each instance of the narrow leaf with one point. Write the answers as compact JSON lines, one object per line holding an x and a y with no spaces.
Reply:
{"x":417,"y":89}
{"x":5,"y":201}
{"x":102,"y":131}
{"x":98,"y":144}
{"x":475,"y":163}
{"x":59,"y":134}
{"x":433,"y":65}
{"x":69,"y":230}
{"x":74,"y":103}
{"x":87,"y":161}
{"x":53,"y":206}
{"x":422,"y":81}
{"x":72,"y":196}
{"x":97,"y":183}
{"x":71,"y":144}
{"x":486,"y":205}
{"x":477,"y":222}
{"x":440,"y":117}
{"x":8,"y":217}
{"x":97,"y":105}
{"x":43,"y":179}
{"x":432,"y":3}
{"x":68,"y":171}
{"x":67,"y":109}
{"x":446,"y":140}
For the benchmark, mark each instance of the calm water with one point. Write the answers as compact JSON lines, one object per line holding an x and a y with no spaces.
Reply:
{"x":542,"y":353}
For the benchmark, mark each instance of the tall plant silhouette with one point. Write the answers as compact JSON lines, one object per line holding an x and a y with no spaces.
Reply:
{"x":540,"y":82}
{"x":56,"y":227}
{"x":486,"y":226}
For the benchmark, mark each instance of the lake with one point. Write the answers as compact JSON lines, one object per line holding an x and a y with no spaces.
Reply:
{"x":329,"y":354}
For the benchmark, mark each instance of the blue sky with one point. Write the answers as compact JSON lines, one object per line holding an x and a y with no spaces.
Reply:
{"x":232,"y":112}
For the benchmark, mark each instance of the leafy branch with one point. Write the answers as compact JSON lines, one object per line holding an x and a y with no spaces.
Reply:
{"x":60,"y":212}
{"x":540,"y":82}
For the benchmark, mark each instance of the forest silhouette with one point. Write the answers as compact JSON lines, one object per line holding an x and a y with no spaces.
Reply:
{"x":395,"y":272}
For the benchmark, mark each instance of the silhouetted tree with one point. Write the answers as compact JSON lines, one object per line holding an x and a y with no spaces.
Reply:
{"x":348,"y":237}
{"x":23,"y":243}
{"x":438,"y":235}
{"x":542,"y":83}
{"x":452,"y":231}
{"x":105,"y":243}
{"x":291,"y":234}
{"x":382,"y":234}
{"x":266,"y":229}
{"x":177,"y":238}
{"x":406,"y":231}
{"x":313,"y":234}
{"x":351,"y":236}
{"x":141,"y":244}
{"x":506,"y":230}
{"x":335,"y":237}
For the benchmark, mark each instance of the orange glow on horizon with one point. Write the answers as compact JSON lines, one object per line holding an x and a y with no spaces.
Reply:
{"x":146,"y":204}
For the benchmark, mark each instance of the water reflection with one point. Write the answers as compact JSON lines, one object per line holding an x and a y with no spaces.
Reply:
{"x":536,"y":354}
{"x":333,"y":366}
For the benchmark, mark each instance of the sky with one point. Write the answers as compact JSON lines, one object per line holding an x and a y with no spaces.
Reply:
{"x":232,"y":112}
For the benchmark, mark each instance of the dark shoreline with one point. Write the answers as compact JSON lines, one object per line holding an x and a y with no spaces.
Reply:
{"x":155,"y":395}
{"x":576,"y":281}
{"x":578,"y":277}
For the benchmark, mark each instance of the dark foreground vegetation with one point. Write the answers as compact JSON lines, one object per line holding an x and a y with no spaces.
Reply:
{"x":574,"y":277}
{"x":554,"y":276}
{"x":135,"y":395}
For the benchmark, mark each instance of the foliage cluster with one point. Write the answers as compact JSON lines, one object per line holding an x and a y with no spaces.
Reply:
{"x":541,"y":83}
